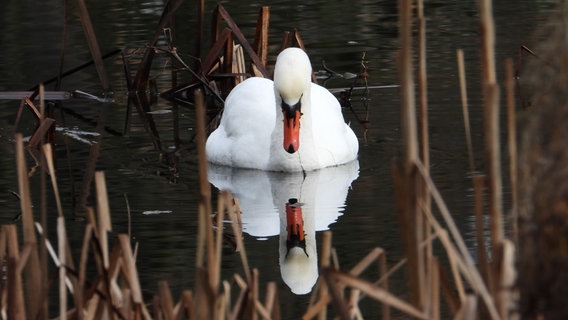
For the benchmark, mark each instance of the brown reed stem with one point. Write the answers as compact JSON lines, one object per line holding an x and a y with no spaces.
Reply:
{"x":166,"y":300}
{"x":223,"y":202}
{"x":465,"y":107}
{"x":15,"y":292}
{"x":424,"y":196}
{"x":43,"y":209}
{"x":261,"y":38}
{"x":32,"y":270}
{"x":93,"y":44}
{"x":325,"y":263}
{"x":204,"y":187}
{"x":512,"y":141}
{"x":407,"y":103}
{"x":62,"y":241}
{"x":407,"y":185}
{"x":482,"y":261}
{"x":48,"y":155}
{"x":434,"y":287}
{"x":199,"y":33}
{"x":103,"y":215}
{"x":423,"y":85}
{"x":491,"y":123}
{"x":239,"y":239}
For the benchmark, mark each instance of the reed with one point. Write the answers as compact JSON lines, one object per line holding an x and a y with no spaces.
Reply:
{"x":465,"y":108}
{"x":93,"y":44}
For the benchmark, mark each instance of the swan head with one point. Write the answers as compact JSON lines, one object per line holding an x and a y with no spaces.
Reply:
{"x":292,"y":81}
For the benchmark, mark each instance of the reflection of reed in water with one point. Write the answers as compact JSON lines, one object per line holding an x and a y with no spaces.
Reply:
{"x":543,"y":209}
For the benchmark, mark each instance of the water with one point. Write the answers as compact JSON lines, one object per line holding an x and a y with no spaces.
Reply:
{"x":157,"y":178}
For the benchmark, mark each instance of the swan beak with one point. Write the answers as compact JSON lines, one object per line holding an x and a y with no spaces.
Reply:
{"x":292,"y":116}
{"x":295,"y":226}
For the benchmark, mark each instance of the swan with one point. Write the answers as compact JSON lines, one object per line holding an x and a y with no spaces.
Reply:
{"x":289,"y":124}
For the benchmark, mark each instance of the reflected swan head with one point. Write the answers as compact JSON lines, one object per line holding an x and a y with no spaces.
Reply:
{"x":299,"y":270}
{"x":298,"y":257}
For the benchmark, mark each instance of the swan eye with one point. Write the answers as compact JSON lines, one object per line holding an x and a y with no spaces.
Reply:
{"x":289,"y":110}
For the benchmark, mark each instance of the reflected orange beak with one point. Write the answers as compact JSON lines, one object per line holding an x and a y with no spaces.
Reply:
{"x":294,"y":221}
{"x":295,"y":226}
{"x":292,"y":131}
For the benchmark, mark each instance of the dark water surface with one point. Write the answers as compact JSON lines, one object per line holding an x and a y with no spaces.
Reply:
{"x":159,"y":177}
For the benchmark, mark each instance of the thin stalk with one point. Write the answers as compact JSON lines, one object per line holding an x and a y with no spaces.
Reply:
{"x":512,"y":141}
{"x":491,"y":123}
{"x":465,"y":108}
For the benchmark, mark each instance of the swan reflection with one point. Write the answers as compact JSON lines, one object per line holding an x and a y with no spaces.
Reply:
{"x":293,"y":205}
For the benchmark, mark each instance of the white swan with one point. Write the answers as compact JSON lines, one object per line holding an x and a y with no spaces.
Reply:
{"x":290,"y":124}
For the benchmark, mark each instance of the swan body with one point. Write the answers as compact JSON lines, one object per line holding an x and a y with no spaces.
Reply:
{"x":289,"y":124}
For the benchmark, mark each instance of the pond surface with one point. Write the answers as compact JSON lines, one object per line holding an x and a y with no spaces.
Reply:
{"x":153,"y":173}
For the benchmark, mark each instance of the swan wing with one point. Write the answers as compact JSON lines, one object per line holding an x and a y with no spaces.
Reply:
{"x":243,"y":136}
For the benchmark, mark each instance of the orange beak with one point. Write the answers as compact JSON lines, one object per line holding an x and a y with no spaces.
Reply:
{"x":292,"y":131}
{"x":295,"y":226}
{"x":294,"y":220}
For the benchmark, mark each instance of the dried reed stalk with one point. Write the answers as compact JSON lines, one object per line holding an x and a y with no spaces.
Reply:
{"x":204,"y":206}
{"x":239,"y":67}
{"x":425,"y":143}
{"x":166,"y":300}
{"x":491,"y":123}
{"x":325,"y":263}
{"x":407,"y":185}
{"x":423,"y":86}
{"x":507,"y":297}
{"x":233,"y":215}
{"x":465,"y":108}
{"x":129,"y":267}
{"x":407,"y":102}
{"x":334,"y":291}
{"x":93,"y":44}
{"x":15,"y":293}
{"x":261,"y":38}
{"x":227,"y":67}
{"x":199,"y":14}
{"x":434,"y":285}
{"x":32,"y":270}
{"x":468,"y":309}
{"x":48,"y":154}
{"x":482,"y":260}
{"x":271,"y":301}
{"x":512,"y":140}
{"x":103,"y":215}
{"x":62,"y":241}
